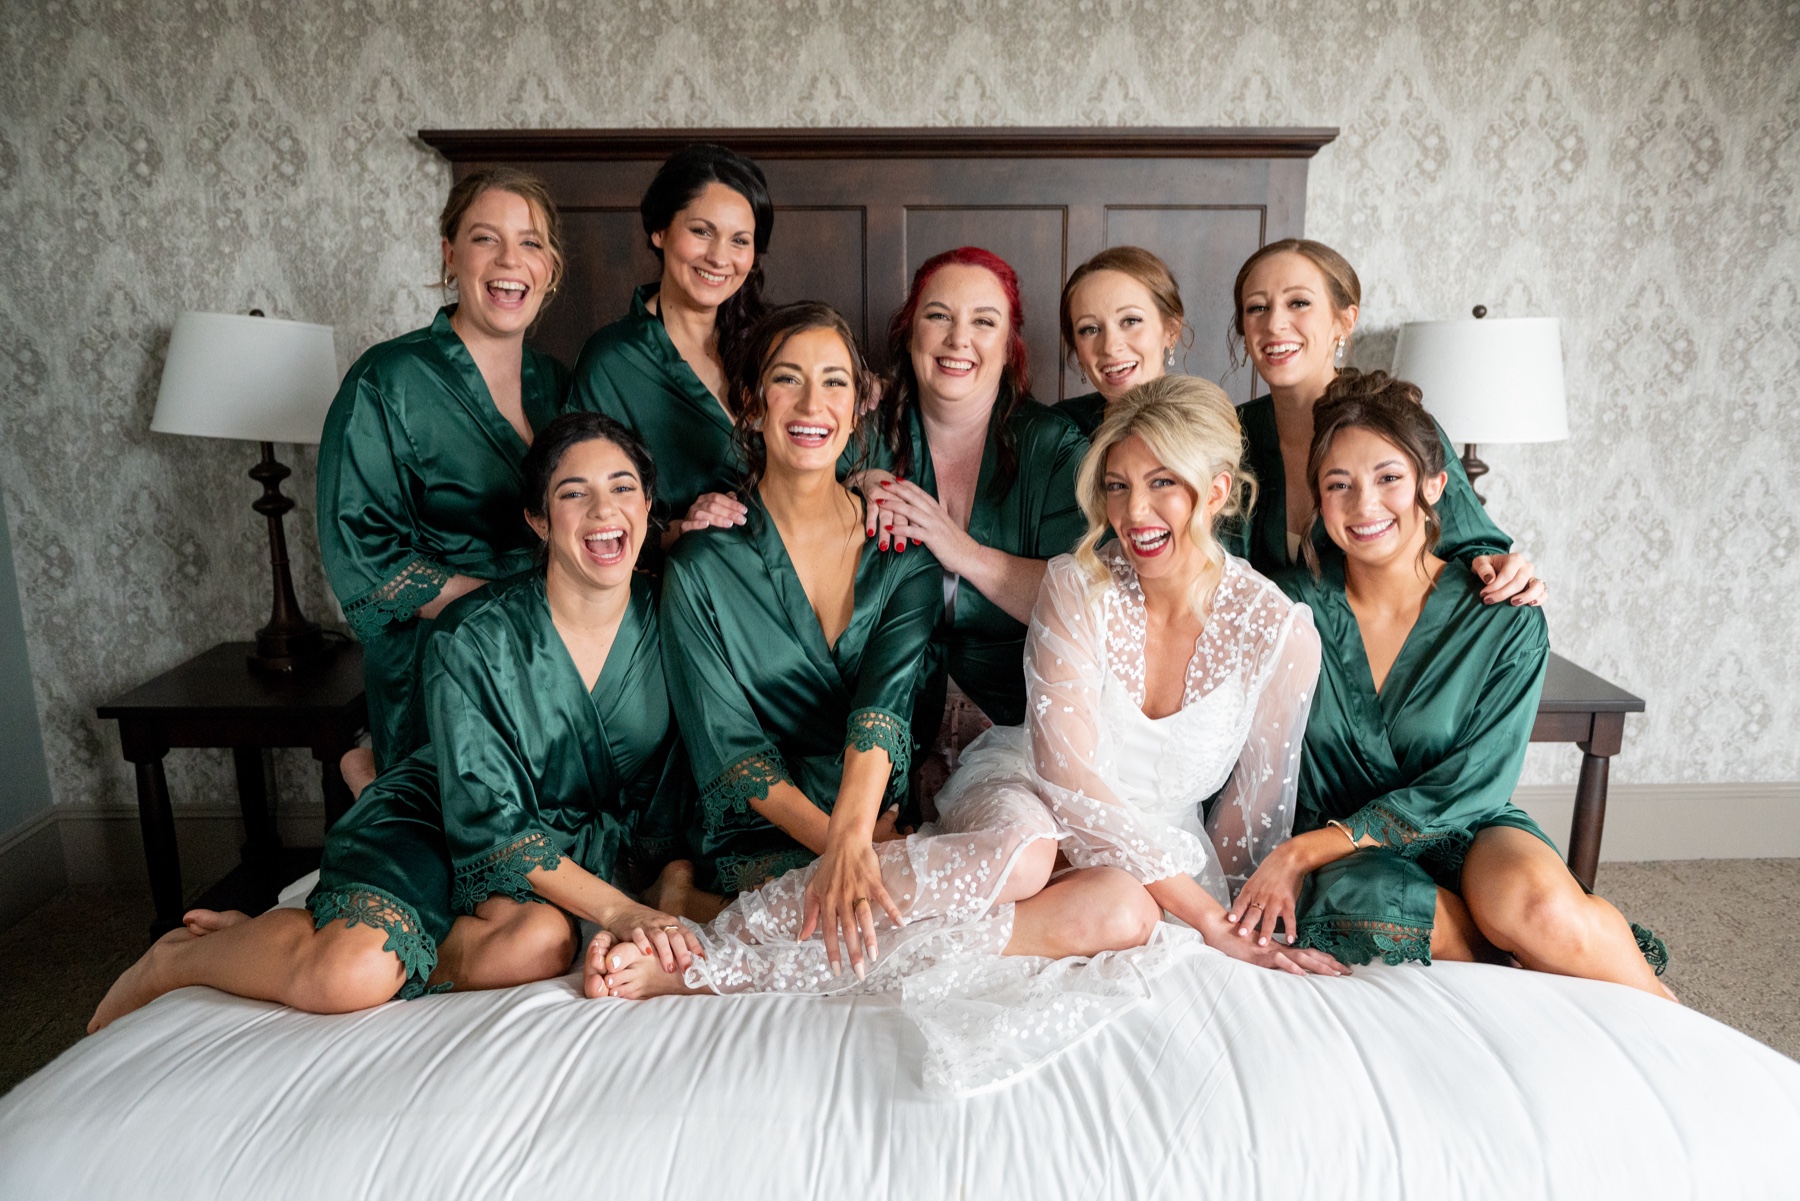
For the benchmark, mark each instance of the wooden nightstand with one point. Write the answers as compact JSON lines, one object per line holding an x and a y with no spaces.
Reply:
{"x":214,"y":700}
{"x":1578,"y":706}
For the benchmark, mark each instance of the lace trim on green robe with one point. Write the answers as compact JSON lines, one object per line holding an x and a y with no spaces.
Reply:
{"x":360,"y":905}
{"x":503,"y":871}
{"x":749,"y":779}
{"x":741,"y":873}
{"x":1399,"y":835}
{"x":1358,"y":940}
{"x":415,"y":584}
{"x":871,"y":728}
{"x":1654,"y":950}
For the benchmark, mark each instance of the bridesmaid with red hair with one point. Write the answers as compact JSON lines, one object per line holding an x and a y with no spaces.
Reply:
{"x":974,"y":470}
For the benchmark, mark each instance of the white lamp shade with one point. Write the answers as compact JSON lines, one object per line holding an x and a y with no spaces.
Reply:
{"x":253,"y":378}
{"x":1498,"y":379}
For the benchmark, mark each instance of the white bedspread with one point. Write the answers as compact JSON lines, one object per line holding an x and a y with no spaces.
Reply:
{"x":1231,"y":1082}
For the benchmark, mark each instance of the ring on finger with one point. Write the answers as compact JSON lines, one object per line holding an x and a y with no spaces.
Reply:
{"x":1256,"y":905}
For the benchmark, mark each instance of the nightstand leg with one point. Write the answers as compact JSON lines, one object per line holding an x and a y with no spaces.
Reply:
{"x":255,"y":781}
{"x":1590,"y":819}
{"x":157,"y":820}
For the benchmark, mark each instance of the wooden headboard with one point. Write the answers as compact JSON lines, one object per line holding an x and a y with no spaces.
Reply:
{"x":859,"y":209}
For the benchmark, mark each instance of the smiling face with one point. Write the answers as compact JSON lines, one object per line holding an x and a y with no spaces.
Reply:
{"x":1290,"y":328}
{"x":1120,"y":335}
{"x":960,"y":336}
{"x":1153,"y":511}
{"x":593,"y":523}
{"x":501,"y":264}
{"x":809,"y":397}
{"x":1368,"y":491}
{"x":708,"y":249}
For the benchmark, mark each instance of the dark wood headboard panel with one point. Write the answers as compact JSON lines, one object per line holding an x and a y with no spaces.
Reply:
{"x":859,"y":209}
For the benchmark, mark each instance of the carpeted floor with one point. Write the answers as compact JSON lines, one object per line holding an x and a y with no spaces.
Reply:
{"x":1734,"y":951}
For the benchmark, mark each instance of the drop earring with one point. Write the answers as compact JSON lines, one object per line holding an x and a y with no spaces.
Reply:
{"x":1340,"y":352}
{"x":1168,"y":358}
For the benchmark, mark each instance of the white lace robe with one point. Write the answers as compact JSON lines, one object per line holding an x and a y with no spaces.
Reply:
{"x":1116,"y":787}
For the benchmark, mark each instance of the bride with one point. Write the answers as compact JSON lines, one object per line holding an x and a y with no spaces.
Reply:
{"x":1158,"y":669}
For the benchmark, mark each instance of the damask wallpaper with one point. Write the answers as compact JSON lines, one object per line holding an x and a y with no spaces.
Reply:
{"x":1630,"y":167}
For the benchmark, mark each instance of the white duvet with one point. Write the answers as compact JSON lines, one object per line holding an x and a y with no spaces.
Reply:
{"x":1231,"y":1082}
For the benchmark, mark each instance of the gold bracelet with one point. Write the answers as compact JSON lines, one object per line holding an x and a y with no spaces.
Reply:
{"x":1338,"y":825}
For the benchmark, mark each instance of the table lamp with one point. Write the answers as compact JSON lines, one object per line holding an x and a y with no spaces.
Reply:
{"x":1493,"y":380}
{"x":260,"y":380}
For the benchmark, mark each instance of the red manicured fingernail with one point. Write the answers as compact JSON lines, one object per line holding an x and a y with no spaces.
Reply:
{"x":902,"y":544}
{"x":885,"y":483}
{"x":868,"y":533}
{"x":881,"y":500}
{"x":888,"y":528}
{"x":884,"y":544}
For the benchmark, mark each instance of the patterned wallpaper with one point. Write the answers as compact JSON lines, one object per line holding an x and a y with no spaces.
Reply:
{"x":1630,"y":167}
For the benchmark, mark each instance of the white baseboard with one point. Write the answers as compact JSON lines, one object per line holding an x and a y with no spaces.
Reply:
{"x":103,"y":844}
{"x":31,"y":866}
{"x":1680,"y":821}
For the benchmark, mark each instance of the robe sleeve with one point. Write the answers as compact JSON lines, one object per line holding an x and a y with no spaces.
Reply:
{"x":734,"y":761}
{"x":1255,"y":811}
{"x":489,"y":793}
{"x":1064,"y":674}
{"x":368,"y":524}
{"x":1468,"y":532}
{"x":1062,"y":523}
{"x":1439,"y":811}
{"x":889,"y":676}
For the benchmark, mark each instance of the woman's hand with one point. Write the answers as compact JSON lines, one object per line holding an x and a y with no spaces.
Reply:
{"x":1507,"y":577}
{"x":655,"y":933}
{"x":1270,"y":895}
{"x":1296,"y":961}
{"x":887,"y":826}
{"x":911,"y":514}
{"x":870,"y":485}
{"x":720,"y":509}
{"x":841,"y":896}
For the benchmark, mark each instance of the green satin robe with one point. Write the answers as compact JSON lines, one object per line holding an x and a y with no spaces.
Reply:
{"x":419,"y":481}
{"x":977,"y":643}
{"x":1087,"y":412}
{"x":1467,"y":533}
{"x":761,"y":697}
{"x":1422,"y":767}
{"x":631,"y":372}
{"x":525,"y":766}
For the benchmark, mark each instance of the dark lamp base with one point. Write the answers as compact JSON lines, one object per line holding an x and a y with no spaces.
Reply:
{"x":299,"y":650}
{"x":289,"y":643}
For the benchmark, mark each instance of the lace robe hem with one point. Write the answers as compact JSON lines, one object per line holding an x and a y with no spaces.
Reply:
{"x":1359,"y":940}
{"x":1401,"y":836}
{"x":733,"y":792}
{"x":871,"y":728}
{"x":361,"y":905}
{"x":503,"y":871}
{"x":417,"y":583}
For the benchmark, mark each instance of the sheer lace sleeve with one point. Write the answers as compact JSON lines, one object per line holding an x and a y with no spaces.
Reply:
{"x":1256,"y":811}
{"x":1065,"y":671}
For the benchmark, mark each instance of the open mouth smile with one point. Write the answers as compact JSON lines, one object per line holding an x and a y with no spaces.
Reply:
{"x":1371,"y":530}
{"x":805,"y":434}
{"x":508,"y":293}
{"x":1277,"y":353}
{"x":1148,"y":543}
{"x":606,"y":547}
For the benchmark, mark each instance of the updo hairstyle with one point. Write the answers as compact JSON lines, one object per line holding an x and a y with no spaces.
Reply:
{"x":752,"y":358}
{"x":1391,"y":409}
{"x":1192,"y":427}
{"x":467,"y":190}
{"x":678,"y":182}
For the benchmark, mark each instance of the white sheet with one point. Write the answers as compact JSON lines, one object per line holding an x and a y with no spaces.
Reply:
{"x":1449,"y":1081}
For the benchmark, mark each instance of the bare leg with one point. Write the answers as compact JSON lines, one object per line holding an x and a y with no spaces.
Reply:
{"x":1083,"y":913}
{"x":673,"y":892}
{"x":275,"y":957}
{"x":506,"y":943}
{"x":1455,"y":938}
{"x":358,"y":769}
{"x":1523,"y":898}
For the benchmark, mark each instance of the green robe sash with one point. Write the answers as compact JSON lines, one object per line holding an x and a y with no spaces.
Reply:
{"x":525,"y":766}
{"x":419,"y":481}
{"x":762,"y":698}
{"x":631,"y":372}
{"x":1467,"y":532}
{"x":977,"y":643}
{"x":1422,"y":767}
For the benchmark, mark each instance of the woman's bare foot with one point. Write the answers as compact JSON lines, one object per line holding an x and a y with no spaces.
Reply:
{"x":358,"y":769}
{"x":140,"y":984}
{"x":211,"y":921}
{"x":673,"y":892}
{"x":634,"y":975}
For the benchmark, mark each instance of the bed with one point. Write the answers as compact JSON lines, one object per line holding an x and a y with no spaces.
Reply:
{"x":1448,"y":1081}
{"x":1456,"y":1080}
